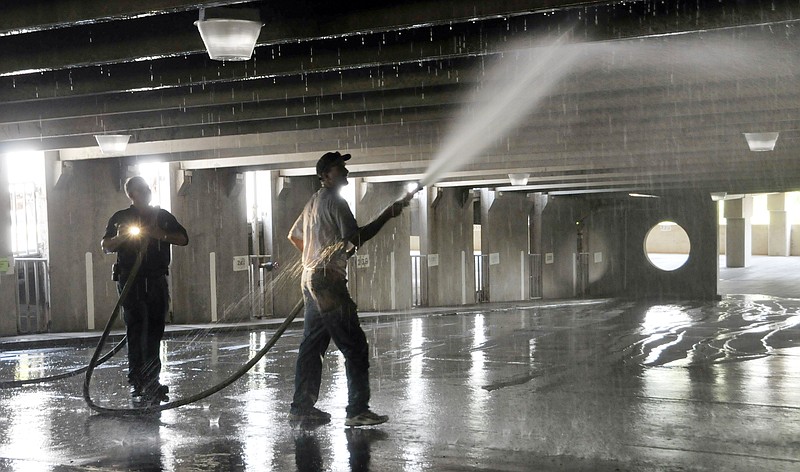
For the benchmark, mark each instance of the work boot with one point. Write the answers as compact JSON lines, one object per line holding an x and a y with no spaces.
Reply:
{"x":158,"y":393}
{"x":309,"y":414}
{"x":366,"y":418}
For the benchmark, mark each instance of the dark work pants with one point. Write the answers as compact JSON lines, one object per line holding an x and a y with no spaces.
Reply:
{"x":144,"y":311}
{"x":330,"y":313}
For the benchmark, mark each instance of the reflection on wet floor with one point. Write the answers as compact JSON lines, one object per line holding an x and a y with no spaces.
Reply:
{"x":588,"y":385}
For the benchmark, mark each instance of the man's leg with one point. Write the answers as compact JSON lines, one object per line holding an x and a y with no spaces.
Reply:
{"x":345,"y":330}
{"x":308,"y":370}
{"x":134,"y":312}
{"x":157,"y":306}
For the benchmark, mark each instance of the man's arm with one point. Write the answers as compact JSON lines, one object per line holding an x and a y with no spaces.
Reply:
{"x":112,"y":239}
{"x":173,"y":233}
{"x":298,"y":243}
{"x":368,"y":231}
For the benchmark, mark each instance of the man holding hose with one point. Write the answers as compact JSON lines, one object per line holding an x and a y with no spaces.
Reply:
{"x":327,"y":234}
{"x":151,"y":230}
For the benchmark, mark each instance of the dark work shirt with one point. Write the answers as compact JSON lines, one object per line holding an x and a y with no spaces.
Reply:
{"x":157,"y":257}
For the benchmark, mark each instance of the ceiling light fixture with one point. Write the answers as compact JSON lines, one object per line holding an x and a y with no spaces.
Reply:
{"x":112,"y":143}
{"x":227,"y":38}
{"x":761,"y":141}
{"x":518,"y":179}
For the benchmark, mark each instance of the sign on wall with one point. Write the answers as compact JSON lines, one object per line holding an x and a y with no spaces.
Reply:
{"x":362,"y":261}
{"x":239,"y":263}
{"x":494,"y":258}
{"x":433,"y":260}
{"x":548,"y":258}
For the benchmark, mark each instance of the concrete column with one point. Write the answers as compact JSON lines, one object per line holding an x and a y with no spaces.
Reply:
{"x":384,"y":282}
{"x":504,"y":236}
{"x":205,"y":286}
{"x":452,"y":233}
{"x":779,"y":227}
{"x":8,"y":281}
{"x":79,"y":203}
{"x":738,"y":236}
{"x":290,"y":195}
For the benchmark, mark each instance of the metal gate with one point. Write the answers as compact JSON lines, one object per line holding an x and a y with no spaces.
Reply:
{"x":582,"y":274}
{"x":33,"y":295}
{"x":481,"y":278}
{"x":419,"y":280}
{"x":535,"y":277}
{"x":259,"y":274}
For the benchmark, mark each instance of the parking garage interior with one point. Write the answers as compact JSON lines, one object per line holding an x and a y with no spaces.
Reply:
{"x":598,"y":272}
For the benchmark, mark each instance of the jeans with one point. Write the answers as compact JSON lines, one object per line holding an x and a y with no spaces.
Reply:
{"x":330,"y":313}
{"x":144,"y":311}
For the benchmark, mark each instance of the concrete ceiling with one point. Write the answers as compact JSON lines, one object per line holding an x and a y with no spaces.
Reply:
{"x":652,"y":96}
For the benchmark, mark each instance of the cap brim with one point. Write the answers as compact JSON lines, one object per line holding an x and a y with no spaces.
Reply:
{"x":346,"y":157}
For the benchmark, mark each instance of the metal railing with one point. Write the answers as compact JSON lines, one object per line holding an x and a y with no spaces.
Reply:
{"x":582,"y":274}
{"x":259,"y":275}
{"x":481,"y":278}
{"x":419,"y":280}
{"x":33,"y":295}
{"x":535,"y":275}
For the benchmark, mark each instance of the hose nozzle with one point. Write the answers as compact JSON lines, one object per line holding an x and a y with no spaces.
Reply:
{"x":413,"y":191}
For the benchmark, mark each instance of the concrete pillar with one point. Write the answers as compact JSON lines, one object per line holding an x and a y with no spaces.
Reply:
{"x":452,"y":279}
{"x":382,"y":279}
{"x":504,"y":237}
{"x":738,"y":236}
{"x":779,"y":227}
{"x":290,"y":195}
{"x":8,"y":279}
{"x":205,"y":288}
{"x":79,"y":203}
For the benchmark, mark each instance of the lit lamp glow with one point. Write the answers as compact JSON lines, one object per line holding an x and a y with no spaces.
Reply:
{"x":134,"y":231}
{"x":229,"y":39}
{"x":112,"y":143}
{"x":518,"y":179}
{"x":761,"y":141}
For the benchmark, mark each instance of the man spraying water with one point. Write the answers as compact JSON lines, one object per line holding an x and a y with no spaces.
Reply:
{"x":327,"y":234}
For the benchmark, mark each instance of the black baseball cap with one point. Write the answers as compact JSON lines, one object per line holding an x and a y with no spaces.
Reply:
{"x":329,"y":160}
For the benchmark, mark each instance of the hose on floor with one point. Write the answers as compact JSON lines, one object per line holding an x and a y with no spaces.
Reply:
{"x":63,"y":375}
{"x":149,"y":409}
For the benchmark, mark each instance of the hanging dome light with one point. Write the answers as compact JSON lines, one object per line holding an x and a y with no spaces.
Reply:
{"x":112,"y":143}
{"x":761,"y":141}
{"x":518,"y":179}
{"x":228,"y":39}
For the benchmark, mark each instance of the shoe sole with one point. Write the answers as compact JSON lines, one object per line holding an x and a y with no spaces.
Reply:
{"x":371,"y":423}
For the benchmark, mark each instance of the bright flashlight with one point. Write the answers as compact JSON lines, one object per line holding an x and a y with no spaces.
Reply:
{"x":134,"y":231}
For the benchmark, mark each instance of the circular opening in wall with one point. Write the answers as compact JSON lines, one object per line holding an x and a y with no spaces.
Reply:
{"x":667,"y":246}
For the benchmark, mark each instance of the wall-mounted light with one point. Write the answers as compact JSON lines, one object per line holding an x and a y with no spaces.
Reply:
{"x":761,"y":141}
{"x":518,"y":179}
{"x":229,"y":38}
{"x":112,"y":143}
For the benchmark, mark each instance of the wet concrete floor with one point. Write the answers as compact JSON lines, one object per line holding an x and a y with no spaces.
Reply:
{"x":600,"y":385}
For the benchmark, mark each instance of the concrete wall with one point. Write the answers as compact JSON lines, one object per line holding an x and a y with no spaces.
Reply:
{"x":383,"y":285}
{"x":289,"y":197}
{"x":8,"y":282}
{"x":213,"y":212}
{"x":698,"y":215}
{"x":452,"y":282}
{"x":504,"y":232}
{"x":78,"y":209}
{"x":614,"y":237}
